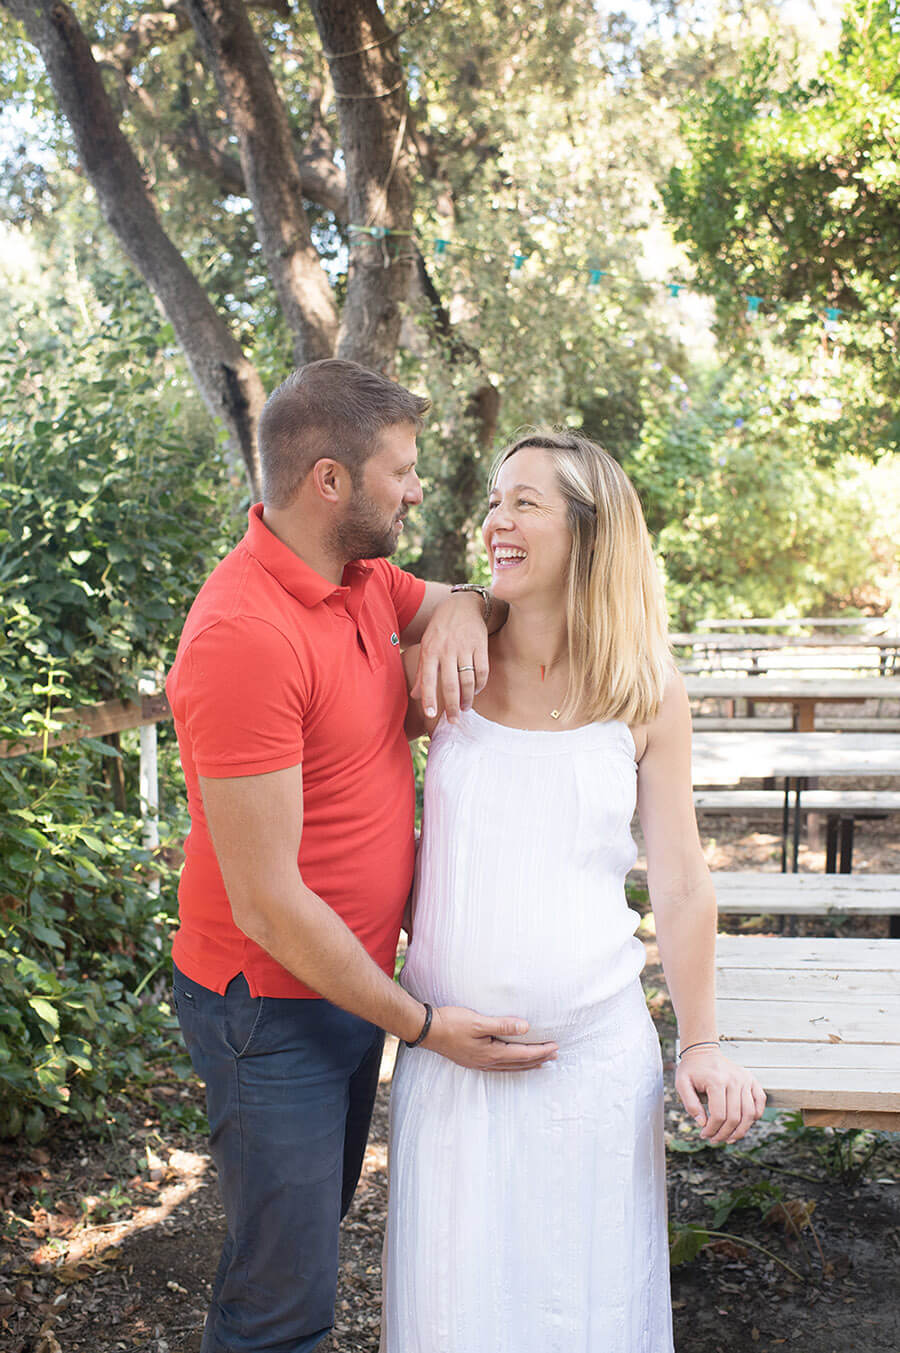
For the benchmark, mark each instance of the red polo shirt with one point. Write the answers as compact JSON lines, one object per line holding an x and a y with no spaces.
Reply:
{"x":278,"y":666}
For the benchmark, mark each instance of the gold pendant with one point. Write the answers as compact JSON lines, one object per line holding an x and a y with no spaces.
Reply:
{"x":554,"y":714}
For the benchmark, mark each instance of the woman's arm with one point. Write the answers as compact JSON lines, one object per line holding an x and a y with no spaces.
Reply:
{"x":684,"y":908}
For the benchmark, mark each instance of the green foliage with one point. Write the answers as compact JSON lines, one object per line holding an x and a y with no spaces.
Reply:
{"x":109,"y":519}
{"x":80,"y":928}
{"x":748,"y":519}
{"x":790,"y":191}
{"x":846,"y":1154}
{"x":109,"y":524}
{"x":685,"y":1242}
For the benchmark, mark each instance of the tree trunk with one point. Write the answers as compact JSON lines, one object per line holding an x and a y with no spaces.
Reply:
{"x":230,"y":385}
{"x":370,"y":89}
{"x":260,"y":122}
{"x":449,"y":520}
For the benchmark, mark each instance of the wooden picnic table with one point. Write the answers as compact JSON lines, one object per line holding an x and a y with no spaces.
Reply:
{"x":803,"y":693}
{"x":817,"y":1021}
{"x":762,"y":643}
{"x":724,"y":758}
{"x":867,"y":623}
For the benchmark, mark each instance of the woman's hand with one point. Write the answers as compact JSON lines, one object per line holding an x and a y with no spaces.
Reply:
{"x":734,"y":1098}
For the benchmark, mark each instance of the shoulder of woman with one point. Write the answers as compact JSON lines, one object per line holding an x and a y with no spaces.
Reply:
{"x":672,"y":718}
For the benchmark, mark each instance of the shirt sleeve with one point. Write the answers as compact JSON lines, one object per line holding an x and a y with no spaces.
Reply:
{"x":407,"y":591}
{"x":243,"y":697}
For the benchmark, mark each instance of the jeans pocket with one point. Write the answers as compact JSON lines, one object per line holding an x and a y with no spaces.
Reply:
{"x":243,"y":1015}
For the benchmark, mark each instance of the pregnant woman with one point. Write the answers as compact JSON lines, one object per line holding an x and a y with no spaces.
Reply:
{"x":527,"y":1209}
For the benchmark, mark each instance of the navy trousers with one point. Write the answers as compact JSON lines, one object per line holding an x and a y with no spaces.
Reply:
{"x":290,"y":1086}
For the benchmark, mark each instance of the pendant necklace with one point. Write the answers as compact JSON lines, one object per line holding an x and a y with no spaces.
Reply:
{"x":554,"y":713}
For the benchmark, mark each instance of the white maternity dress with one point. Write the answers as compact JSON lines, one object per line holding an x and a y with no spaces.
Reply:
{"x":527,"y":1209}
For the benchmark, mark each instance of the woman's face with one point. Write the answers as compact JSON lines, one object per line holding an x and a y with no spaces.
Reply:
{"x":526,"y":532}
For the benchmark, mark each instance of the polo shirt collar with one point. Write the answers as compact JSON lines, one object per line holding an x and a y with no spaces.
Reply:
{"x":289,"y":569}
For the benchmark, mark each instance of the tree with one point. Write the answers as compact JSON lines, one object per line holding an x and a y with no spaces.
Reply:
{"x":372,"y":114}
{"x":543,"y":142}
{"x":791,"y":193}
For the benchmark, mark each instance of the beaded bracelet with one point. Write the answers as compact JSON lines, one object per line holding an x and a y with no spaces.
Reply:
{"x":709,"y":1043}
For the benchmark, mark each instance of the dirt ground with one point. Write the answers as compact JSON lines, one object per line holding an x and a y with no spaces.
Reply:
{"x":109,"y":1243}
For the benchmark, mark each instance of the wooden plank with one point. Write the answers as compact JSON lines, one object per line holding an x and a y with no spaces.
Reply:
{"x":811,"y":800}
{"x":837,"y":886}
{"x":715,"y":723}
{"x":724,"y":758}
{"x":768,"y":643}
{"x":816,"y":985}
{"x":848,"y":1118}
{"x":784,"y":689}
{"x":95,"y":721}
{"x":808,"y":894}
{"x":831,"y":1059}
{"x":818,"y":1021}
{"x":788,"y":953}
{"x":868,"y":624}
{"x":800,"y":1092}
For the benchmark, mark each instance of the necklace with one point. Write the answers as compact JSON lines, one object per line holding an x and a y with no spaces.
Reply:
{"x":554,"y":713}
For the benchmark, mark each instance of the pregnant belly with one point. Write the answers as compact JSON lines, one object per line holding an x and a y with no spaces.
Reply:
{"x":559,"y":996}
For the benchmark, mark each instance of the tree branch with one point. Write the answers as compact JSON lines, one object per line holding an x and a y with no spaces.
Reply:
{"x":369,"y":85}
{"x":229,"y":384}
{"x":259,"y":119}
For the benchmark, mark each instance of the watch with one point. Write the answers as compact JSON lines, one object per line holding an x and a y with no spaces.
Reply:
{"x":486,"y":598}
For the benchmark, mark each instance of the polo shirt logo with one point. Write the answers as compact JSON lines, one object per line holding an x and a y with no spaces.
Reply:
{"x":394,"y":639}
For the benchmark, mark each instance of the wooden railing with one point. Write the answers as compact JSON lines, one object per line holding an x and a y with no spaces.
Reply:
{"x":113,"y":716}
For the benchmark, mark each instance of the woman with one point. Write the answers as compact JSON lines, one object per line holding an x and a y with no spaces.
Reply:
{"x":527,"y":1210}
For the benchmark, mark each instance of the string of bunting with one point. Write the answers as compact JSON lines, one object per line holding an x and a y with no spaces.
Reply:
{"x":595,"y":277}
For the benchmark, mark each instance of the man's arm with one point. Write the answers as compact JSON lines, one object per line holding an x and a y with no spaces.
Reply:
{"x":453,"y":658}
{"x":256,"y":824}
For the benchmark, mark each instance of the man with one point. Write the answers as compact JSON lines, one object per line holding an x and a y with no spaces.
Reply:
{"x":289,"y":700}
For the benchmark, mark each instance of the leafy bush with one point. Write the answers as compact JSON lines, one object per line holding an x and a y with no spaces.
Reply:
{"x":113,"y":511}
{"x":748,"y":519}
{"x":81,"y":929}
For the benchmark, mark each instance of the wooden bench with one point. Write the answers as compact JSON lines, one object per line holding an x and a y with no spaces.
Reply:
{"x":841,"y":808}
{"x":753,"y":894}
{"x":818,"y":1023}
{"x":717,"y":723}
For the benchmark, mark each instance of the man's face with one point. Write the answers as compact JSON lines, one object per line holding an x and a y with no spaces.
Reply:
{"x":388,"y":488}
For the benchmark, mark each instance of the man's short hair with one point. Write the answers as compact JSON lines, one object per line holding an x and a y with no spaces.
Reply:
{"x":329,"y":409}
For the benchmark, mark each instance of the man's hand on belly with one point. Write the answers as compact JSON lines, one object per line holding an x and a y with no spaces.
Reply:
{"x":476,"y":1041}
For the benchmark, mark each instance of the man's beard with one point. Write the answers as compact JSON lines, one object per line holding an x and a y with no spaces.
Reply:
{"x":363,"y":534}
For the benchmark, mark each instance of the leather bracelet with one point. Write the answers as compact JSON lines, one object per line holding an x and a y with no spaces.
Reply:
{"x":486,"y":599}
{"x":423,"y":1032}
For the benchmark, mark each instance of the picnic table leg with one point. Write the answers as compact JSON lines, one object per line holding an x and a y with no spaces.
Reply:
{"x":785,"y":819}
{"x":847,"y":845}
{"x":800,"y":784}
{"x":831,"y":843}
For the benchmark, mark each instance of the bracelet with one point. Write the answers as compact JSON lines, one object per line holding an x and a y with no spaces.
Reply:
{"x":709,"y":1043}
{"x":423,"y":1032}
{"x":486,"y":599}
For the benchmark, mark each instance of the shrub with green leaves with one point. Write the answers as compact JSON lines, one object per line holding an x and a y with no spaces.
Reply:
{"x":113,"y":511}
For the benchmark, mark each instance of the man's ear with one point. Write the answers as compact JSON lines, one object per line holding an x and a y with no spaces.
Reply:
{"x":331,"y":480}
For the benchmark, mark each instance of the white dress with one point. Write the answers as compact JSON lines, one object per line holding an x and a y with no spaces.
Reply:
{"x":527,"y":1209}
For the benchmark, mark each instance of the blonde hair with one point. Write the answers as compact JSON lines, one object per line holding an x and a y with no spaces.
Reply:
{"x":619,"y":654}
